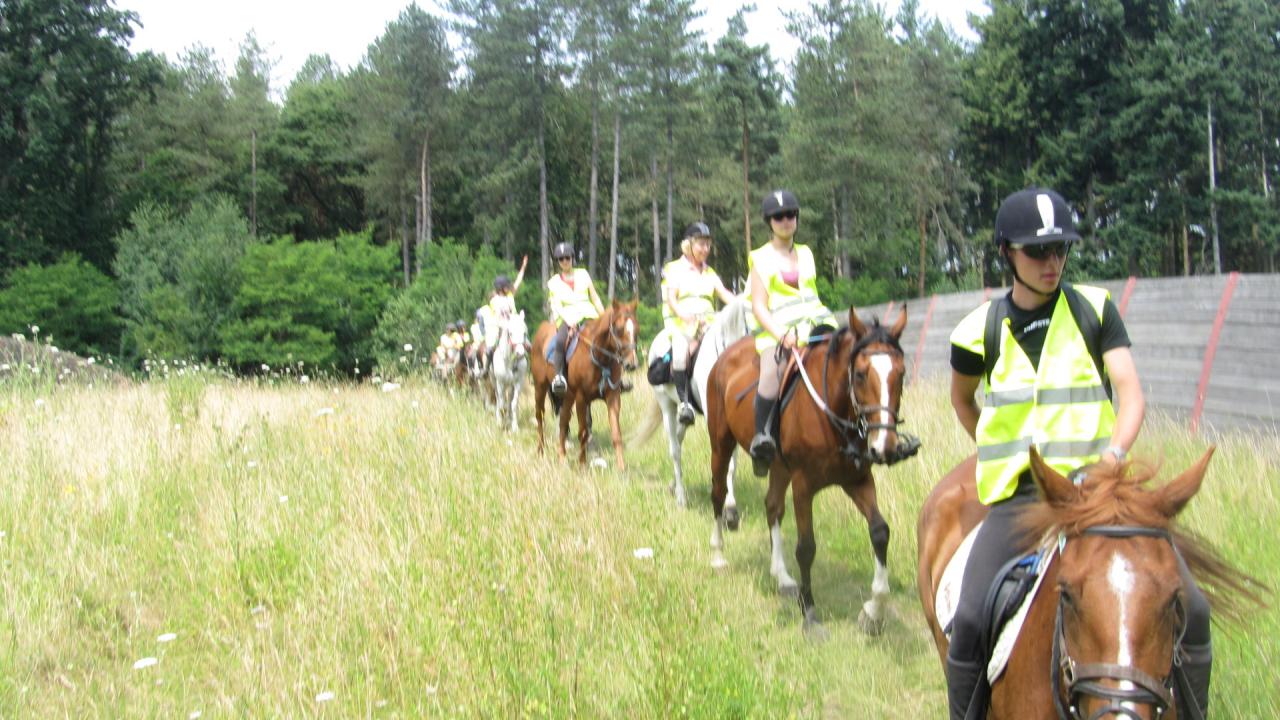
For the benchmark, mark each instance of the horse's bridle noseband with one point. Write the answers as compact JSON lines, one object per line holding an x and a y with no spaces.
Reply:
{"x":1083,"y":678}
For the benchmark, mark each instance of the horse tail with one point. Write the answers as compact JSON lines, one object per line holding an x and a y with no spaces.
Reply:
{"x":648,"y":425}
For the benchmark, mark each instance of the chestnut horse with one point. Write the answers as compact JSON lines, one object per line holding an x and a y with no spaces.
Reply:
{"x":828,"y":435}
{"x":1102,"y":632}
{"x":606,"y":347}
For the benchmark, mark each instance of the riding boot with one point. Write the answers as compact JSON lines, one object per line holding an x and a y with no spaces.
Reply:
{"x":1196,"y":666}
{"x":680,"y":378}
{"x":963,"y":679}
{"x":558,"y":383}
{"x":763,"y":446}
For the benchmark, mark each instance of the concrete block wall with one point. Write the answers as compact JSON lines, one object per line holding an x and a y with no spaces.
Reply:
{"x":1227,"y":378}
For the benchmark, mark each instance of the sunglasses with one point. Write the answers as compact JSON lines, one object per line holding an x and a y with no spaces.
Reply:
{"x":1042,"y":252}
{"x":566,"y":257}
{"x":785,"y":215}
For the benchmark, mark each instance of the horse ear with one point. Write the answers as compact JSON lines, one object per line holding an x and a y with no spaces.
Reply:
{"x":900,"y":325}
{"x":855,"y":323}
{"x":1057,"y":489}
{"x":1172,"y":498}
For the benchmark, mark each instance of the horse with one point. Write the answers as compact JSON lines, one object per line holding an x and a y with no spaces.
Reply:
{"x":729,"y":325}
{"x":827,"y":435}
{"x":509,"y":365}
{"x":1101,"y":635}
{"x":607,"y":348}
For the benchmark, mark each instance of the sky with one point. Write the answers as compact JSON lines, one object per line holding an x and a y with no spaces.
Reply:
{"x":291,"y":30}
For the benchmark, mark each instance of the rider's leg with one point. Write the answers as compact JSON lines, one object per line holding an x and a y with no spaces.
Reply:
{"x":1197,"y":661}
{"x":558,"y":384}
{"x":680,"y":374}
{"x":994,"y":546}
{"x":763,"y":446}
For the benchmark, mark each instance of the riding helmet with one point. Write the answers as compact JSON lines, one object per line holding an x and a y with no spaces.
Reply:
{"x":779,"y":201}
{"x":1035,"y":216}
{"x":562,"y":250}
{"x":502,"y":282}
{"x":697,"y":229}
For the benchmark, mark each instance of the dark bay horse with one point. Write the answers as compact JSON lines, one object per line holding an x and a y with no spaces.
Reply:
{"x":843,"y":418}
{"x":1102,"y":632}
{"x":606,"y":348}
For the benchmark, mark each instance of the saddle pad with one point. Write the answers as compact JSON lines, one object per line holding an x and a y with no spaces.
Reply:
{"x":551,"y":347}
{"x":948,"y":597}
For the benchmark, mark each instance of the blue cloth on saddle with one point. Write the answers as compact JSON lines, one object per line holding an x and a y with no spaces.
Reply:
{"x":1006,"y":594}
{"x":551,"y":347}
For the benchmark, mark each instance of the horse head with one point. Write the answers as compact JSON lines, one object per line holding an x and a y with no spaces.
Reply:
{"x":1120,"y":615}
{"x":876,"y":370}
{"x":622,"y":332}
{"x":517,"y":334}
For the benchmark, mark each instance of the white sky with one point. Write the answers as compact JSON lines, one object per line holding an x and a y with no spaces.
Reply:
{"x":291,"y":30}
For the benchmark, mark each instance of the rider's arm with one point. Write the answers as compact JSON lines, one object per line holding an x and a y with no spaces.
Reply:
{"x":1131,"y":405}
{"x":524,"y":262}
{"x":723,"y":293}
{"x":760,"y":306}
{"x":963,"y":400}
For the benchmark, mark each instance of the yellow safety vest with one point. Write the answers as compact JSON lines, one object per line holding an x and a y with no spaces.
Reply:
{"x":800,"y":307}
{"x":1061,"y":407}
{"x":695,"y":294}
{"x":668,"y":271}
{"x":571,"y":305}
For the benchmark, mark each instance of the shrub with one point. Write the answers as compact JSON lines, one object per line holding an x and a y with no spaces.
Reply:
{"x":71,"y":300}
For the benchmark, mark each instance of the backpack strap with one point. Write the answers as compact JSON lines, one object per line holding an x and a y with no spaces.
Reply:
{"x":996,"y":313}
{"x":1086,"y":318}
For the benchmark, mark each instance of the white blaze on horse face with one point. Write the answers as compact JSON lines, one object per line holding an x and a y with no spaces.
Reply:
{"x":882,"y":363}
{"x":1121,"y":581}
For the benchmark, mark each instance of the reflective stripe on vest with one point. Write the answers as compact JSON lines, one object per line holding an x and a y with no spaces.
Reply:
{"x":790,"y":306}
{"x":1061,"y":407}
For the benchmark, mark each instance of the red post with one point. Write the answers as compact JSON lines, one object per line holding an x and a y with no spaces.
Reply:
{"x":1212,"y":348}
{"x":924,"y":331}
{"x":1128,"y":292}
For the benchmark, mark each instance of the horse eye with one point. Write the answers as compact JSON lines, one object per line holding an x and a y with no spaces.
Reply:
{"x":860,"y":375}
{"x":1064,"y":591}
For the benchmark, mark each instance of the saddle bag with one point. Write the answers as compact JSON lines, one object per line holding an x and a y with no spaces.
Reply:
{"x":660,"y":369}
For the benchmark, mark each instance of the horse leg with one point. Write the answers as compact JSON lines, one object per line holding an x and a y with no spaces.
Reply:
{"x":863,"y":494}
{"x":731,"y":517}
{"x":566,"y":412}
{"x":721,"y":464}
{"x":539,"y":402}
{"x":675,"y":440}
{"x":515,"y":400}
{"x":614,"y":404}
{"x":774,"y":509}
{"x":806,"y":551}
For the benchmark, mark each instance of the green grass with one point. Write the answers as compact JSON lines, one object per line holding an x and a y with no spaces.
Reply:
{"x":401,"y":555}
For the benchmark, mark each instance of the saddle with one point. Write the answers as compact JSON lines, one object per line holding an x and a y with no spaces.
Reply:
{"x":573,"y":345}
{"x":1006,"y":604}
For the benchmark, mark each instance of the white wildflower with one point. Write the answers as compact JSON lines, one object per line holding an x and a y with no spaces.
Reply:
{"x":145,"y":662}
{"x":35,"y":329}
{"x":408,"y":347}
{"x":253,"y":464}
{"x":643,"y":553}
{"x":91,"y":361}
{"x":324,"y":411}
{"x":195,"y":715}
{"x":284,"y":499}
{"x":167,"y":637}
{"x":325,"y":696}
{"x":39,"y":402}
{"x":257,"y":610}
{"x":600,"y":463}
{"x":390,"y":387}
{"x":4,"y":367}
{"x":266,"y":367}
{"x":304,"y":379}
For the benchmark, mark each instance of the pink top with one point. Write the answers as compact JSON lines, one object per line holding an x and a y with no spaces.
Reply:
{"x":791,"y":277}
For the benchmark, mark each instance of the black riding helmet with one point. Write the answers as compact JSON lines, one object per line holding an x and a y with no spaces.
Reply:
{"x":697,"y":229}
{"x":1035,"y":216}
{"x":502,"y":282}
{"x":562,"y":250}
{"x":779,"y":201}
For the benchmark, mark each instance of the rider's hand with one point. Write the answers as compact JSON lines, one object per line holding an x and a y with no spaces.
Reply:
{"x":789,"y":340}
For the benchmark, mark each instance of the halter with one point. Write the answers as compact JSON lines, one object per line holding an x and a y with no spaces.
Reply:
{"x":853,"y":432}
{"x":617,"y":357}
{"x":1083,"y":678}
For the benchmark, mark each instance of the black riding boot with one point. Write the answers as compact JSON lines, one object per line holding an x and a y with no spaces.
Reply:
{"x":763,"y":447}
{"x":1196,"y":667}
{"x":680,"y":378}
{"x":558,"y":384}
{"x":963,"y":679}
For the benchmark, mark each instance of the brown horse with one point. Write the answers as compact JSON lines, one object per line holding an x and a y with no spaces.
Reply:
{"x":841,"y":420}
{"x":606,"y":347}
{"x":1101,"y":634}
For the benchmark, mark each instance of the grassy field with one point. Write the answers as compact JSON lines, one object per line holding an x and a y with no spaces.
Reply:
{"x":190,"y":548}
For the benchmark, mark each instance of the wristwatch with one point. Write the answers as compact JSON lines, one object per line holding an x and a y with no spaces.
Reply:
{"x":1117,"y":451}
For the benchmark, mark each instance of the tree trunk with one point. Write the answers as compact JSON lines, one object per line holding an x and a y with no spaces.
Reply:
{"x":746,"y":180}
{"x":404,"y":239}
{"x":613,"y":209}
{"x":544,"y":222}
{"x":253,"y":193}
{"x":593,"y":209}
{"x":671,"y":151}
{"x":841,"y":253}
{"x":657,"y":234}
{"x":424,"y":179}
{"x":1213,"y":201}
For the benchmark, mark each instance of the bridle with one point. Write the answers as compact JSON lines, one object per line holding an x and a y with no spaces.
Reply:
{"x":616,"y":357}
{"x":1084,"y":678}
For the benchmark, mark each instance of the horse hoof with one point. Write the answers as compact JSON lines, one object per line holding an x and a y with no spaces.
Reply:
{"x":731,"y":517}
{"x":719,"y":563}
{"x":870,"y":625}
{"x":814,"y":630}
{"x":789,"y":590}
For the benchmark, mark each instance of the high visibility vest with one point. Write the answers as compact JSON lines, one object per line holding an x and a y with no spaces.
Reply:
{"x":571,"y":305}
{"x":800,"y":307}
{"x":1061,"y":407}
{"x":668,"y":271}
{"x":695,"y":294}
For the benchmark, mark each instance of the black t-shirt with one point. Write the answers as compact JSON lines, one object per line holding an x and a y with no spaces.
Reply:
{"x":1030,"y":327}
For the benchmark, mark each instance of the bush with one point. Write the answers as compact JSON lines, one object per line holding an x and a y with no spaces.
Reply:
{"x":71,"y":301}
{"x":313,"y":303}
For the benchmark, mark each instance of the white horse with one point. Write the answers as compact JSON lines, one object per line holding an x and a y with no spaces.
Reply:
{"x":510,"y":364}
{"x":730,"y":324}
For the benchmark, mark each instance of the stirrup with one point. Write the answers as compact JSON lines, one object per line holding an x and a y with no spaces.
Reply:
{"x":559,"y":385}
{"x":762,"y":451}
{"x":686,"y":415}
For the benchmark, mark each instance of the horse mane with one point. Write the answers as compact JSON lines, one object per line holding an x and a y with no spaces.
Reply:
{"x":876,"y":333}
{"x":1118,"y":496}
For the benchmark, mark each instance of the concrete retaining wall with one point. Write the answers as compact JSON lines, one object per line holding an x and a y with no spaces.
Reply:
{"x":1227,"y":377}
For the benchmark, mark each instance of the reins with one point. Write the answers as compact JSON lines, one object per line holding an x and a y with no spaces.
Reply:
{"x":616,"y":358}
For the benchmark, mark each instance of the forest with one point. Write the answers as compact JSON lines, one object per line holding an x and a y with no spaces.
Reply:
{"x":179,"y":208}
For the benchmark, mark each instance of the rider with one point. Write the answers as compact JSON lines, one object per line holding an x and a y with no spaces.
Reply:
{"x":689,"y":285}
{"x":784,"y":297}
{"x":573,"y":299}
{"x":1049,"y":337}
{"x":502,"y":305}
